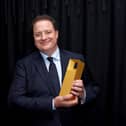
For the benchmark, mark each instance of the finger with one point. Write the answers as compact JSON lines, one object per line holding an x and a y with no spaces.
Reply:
{"x":77,"y":89}
{"x":70,"y":103}
{"x":75,"y":93}
{"x":78,"y":83}
{"x":68,"y":97}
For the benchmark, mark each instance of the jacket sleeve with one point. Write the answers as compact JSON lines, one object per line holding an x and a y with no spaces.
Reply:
{"x":92,"y":88}
{"x":19,"y":97}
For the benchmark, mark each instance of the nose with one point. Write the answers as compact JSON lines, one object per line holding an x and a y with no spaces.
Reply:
{"x":43,"y":36}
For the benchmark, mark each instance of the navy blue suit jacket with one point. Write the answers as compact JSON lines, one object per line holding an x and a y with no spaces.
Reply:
{"x":31,"y":92}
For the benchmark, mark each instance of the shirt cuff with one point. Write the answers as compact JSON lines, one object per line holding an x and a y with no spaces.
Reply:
{"x":82,"y":99}
{"x":53,"y":106}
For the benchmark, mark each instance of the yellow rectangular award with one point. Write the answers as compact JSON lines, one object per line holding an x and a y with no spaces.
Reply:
{"x":74,"y":71}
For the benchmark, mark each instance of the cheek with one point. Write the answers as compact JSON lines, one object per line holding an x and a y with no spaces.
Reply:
{"x":36,"y":42}
{"x":36,"y":39}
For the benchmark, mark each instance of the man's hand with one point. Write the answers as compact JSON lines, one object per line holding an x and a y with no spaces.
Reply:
{"x":65,"y":101}
{"x":77,"y":88}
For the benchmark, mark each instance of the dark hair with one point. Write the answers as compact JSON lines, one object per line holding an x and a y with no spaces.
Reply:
{"x":45,"y":17}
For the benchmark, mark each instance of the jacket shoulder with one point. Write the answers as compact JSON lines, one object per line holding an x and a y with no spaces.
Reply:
{"x":75,"y":55}
{"x":28,"y":58}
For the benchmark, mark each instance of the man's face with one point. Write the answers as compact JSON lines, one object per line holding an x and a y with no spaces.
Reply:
{"x":45,"y":36}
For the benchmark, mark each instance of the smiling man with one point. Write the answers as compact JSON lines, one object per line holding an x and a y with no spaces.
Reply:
{"x":35,"y":91}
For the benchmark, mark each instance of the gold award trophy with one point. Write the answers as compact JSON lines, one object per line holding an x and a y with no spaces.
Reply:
{"x":74,"y":71}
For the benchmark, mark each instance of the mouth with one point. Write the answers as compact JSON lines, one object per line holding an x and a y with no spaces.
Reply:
{"x":45,"y":42}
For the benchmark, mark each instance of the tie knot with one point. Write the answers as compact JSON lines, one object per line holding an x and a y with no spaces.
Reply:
{"x":50,"y":59}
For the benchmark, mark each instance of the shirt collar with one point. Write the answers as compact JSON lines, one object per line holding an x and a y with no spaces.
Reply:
{"x":55,"y":55}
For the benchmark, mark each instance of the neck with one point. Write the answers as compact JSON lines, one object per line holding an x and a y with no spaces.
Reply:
{"x":49,"y":53}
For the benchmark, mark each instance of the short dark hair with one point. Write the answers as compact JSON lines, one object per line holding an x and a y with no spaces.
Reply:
{"x":45,"y":17}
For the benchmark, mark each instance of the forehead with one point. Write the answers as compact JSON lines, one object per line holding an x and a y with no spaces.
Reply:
{"x":43,"y":24}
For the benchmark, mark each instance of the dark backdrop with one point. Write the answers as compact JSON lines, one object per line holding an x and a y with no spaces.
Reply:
{"x":96,"y":28}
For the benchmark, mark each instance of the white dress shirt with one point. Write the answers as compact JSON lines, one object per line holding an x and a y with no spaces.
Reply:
{"x":57,"y":61}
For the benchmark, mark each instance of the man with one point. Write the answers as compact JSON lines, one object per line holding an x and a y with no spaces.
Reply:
{"x":32,"y":89}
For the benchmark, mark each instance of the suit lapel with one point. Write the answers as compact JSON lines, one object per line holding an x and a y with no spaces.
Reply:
{"x":64,"y":62}
{"x":41,"y":68}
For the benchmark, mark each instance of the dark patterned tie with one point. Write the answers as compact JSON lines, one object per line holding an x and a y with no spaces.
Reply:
{"x":54,"y":75}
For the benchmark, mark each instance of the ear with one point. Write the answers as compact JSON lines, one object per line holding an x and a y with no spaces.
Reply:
{"x":57,"y":34}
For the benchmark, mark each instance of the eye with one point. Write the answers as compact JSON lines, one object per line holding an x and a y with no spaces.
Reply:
{"x":48,"y":32}
{"x":37,"y":34}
